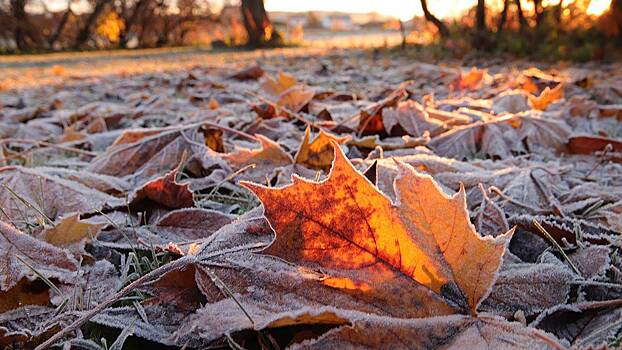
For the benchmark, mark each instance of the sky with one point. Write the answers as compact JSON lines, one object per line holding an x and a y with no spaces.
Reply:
{"x":402,"y":9}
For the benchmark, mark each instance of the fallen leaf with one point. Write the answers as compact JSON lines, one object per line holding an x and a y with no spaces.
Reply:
{"x":277,"y":86}
{"x":470,"y":80}
{"x":139,"y":155}
{"x":530,"y":288}
{"x":412,"y":118}
{"x":24,"y":292}
{"x":70,"y":230}
{"x":165,"y":190}
{"x":48,"y":260}
{"x":49,"y":194}
{"x":318,"y":154}
{"x":547,"y":96}
{"x":371,"y":245}
{"x":447,"y":332}
{"x":587,"y":144}
{"x":294,"y":98}
{"x":253,"y":72}
{"x":263,"y":160}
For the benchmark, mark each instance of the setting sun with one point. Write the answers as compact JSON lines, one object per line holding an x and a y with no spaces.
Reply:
{"x":597,"y":7}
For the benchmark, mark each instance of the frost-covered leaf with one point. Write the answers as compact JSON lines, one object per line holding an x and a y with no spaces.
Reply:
{"x":530,"y":288}
{"x":48,"y":260}
{"x":50,"y":195}
{"x":369,"y":245}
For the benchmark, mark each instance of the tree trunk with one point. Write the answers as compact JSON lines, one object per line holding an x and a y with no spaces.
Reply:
{"x":615,"y":9}
{"x":504,"y":16}
{"x":522,"y":22}
{"x":22,"y":25}
{"x":85,"y":32}
{"x":538,"y":11}
{"x":256,"y":22}
{"x":129,"y":23}
{"x":442,"y":28}
{"x":61,"y":26}
{"x":481,"y":15}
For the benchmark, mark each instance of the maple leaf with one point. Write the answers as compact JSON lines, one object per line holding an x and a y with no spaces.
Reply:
{"x":547,"y":96}
{"x":277,"y":86}
{"x":470,"y":80}
{"x":317,"y":154}
{"x":50,"y":261}
{"x":412,"y":118}
{"x":165,"y":190}
{"x":70,"y":230}
{"x":264,"y":159}
{"x":33,"y":193}
{"x":346,"y":225}
{"x":502,"y":137}
{"x":139,"y":155}
{"x":449,"y":332}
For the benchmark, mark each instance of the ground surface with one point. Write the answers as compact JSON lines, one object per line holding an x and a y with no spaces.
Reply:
{"x":116,"y":165}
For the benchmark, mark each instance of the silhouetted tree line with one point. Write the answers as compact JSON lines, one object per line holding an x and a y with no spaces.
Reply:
{"x":117,"y":23}
{"x":533,"y":22}
{"x":154,"y":23}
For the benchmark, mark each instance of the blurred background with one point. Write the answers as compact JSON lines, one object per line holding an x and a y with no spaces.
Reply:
{"x":577,"y":30}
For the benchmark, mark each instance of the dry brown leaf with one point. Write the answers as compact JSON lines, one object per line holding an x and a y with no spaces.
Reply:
{"x":503,"y":137}
{"x":143,"y":154}
{"x":253,"y":72}
{"x":449,"y":332}
{"x":71,"y":134}
{"x":547,"y":96}
{"x":265,"y":159}
{"x":276,"y":87}
{"x":178,"y":288}
{"x":71,"y":230}
{"x":587,"y":144}
{"x":23,"y":293}
{"x":318,"y":154}
{"x":294,"y":98}
{"x":370,"y":245}
{"x":412,"y":118}
{"x":49,"y":194}
{"x":165,"y":190}
{"x":48,"y":260}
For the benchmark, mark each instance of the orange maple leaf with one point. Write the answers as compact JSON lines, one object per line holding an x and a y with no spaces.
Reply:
{"x":318,"y":154}
{"x":547,"y":96}
{"x":366,"y":244}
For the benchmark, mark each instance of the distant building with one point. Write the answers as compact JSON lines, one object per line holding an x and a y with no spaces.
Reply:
{"x":339,"y":22}
{"x":297,"y":21}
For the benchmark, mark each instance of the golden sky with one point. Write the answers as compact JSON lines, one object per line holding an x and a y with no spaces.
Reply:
{"x":403,"y":9}
{"x":406,"y":9}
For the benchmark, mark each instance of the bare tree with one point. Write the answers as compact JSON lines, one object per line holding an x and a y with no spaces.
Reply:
{"x":24,"y":33}
{"x":61,"y":25}
{"x":504,"y":16}
{"x":481,"y":15}
{"x":522,"y":22}
{"x":87,"y":29}
{"x":442,"y":28}
{"x":257,"y":23}
{"x":129,"y":22}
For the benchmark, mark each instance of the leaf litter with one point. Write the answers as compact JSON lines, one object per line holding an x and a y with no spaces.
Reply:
{"x":403,"y":205}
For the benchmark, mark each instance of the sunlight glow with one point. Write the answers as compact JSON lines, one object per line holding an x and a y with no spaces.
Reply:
{"x":597,"y":7}
{"x":401,"y":9}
